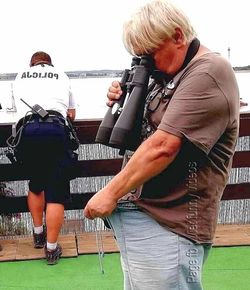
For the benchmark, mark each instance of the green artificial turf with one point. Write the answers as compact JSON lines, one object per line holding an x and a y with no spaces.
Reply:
{"x":81,"y":273}
{"x":227,"y":268}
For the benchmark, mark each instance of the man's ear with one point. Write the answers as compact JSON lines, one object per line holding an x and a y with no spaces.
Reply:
{"x":178,"y":36}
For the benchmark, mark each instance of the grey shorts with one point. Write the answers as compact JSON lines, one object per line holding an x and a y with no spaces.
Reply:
{"x":154,"y":258}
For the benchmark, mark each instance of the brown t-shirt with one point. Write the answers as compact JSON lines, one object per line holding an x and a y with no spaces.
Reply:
{"x":201,"y":105}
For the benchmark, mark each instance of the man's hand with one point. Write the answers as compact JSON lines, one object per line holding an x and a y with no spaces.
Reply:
{"x":114,"y":93}
{"x":100,"y":205}
{"x":243,"y":103}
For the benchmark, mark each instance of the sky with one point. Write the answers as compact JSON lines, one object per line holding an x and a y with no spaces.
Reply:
{"x":87,"y":34}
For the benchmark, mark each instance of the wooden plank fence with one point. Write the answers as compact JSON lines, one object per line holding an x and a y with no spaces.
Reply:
{"x":86,"y":131}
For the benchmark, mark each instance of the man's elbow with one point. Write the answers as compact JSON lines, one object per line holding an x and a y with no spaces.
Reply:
{"x":166,"y":144}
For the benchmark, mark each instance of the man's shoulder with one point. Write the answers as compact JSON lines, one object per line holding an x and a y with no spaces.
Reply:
{"x":212,"y":62}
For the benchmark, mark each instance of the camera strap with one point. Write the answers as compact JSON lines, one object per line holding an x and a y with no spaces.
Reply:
{"x":191,"y":52}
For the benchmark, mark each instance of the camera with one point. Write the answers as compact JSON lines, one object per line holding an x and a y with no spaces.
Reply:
{"x":121,"y":125}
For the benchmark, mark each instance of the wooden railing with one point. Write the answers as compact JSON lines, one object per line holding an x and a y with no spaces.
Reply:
{"x":86,"y":131}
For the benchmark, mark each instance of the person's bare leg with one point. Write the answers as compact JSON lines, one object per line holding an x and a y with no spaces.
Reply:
{"x":36,"y":204}
{"x":54,"y":221}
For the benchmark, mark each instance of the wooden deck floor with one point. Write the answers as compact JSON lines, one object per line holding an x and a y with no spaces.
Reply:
{"x":73,"y":245}
{"x":232,"y":235}
{"x":89,"y":243}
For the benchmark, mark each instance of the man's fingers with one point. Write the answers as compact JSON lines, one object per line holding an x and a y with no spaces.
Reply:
{"x":87,"y":214}
{"x":110,"y":103}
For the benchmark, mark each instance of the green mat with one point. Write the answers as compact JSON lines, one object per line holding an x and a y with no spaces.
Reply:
{"x":226,"y":269}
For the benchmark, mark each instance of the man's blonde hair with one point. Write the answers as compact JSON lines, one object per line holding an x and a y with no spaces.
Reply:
{"x":152,"y":24}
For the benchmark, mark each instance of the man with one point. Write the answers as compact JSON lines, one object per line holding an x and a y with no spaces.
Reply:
{"x":165,"y":230}
{"x":44,"y":147}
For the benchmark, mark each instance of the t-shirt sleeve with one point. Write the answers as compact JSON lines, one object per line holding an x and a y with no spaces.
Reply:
{"x":72,"y":102}
{"x":198,"y":111}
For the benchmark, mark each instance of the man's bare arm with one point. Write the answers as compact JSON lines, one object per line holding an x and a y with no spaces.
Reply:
{"x":71,"y":113}
{"x":152,"y":157}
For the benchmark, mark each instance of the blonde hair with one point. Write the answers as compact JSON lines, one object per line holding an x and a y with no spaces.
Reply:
{"x":152,"y":24}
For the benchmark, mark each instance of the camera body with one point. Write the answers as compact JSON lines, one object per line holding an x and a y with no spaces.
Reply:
{"x":121,"y":125}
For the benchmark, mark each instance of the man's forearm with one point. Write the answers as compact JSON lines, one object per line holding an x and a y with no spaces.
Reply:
{"x":152,"y":157}
{"x":71,"y":113}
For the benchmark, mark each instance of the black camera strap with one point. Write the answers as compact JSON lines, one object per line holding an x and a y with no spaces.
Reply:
{"x":191,"y":52}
